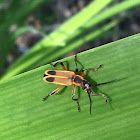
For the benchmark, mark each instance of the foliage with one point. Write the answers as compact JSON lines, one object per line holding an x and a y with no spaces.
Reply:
{"x":71,"y":35}
{"x":23,"y":113}
{"x":25,"y":116}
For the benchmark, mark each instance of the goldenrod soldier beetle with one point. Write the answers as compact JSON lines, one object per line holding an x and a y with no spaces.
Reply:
{"x":67,"y":78}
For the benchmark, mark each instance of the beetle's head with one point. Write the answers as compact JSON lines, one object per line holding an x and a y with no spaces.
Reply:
{"x":86,"y":86}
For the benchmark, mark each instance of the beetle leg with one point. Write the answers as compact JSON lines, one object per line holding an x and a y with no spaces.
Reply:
{"x":73,"y":93}
{"x":76,"y":71}
{"x":82,"y":73}
{"x":52,"y":93}
{"x":93,"y":94}
{"x":61,"y":63}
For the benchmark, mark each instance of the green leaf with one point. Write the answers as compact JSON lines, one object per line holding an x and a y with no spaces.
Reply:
{"x":25,"y":116}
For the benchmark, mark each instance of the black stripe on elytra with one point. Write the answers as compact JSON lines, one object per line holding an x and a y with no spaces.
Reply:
{"x":50,"y":79}
{"x":77,"y":80}
{"x":45,"y":75}
{"x":52,"y":72}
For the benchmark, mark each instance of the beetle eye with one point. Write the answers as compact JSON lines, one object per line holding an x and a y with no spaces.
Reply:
{"x":86,"y":85}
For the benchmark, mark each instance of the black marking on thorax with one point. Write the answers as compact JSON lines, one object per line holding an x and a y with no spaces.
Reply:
{"x":77,"y":79}
{"x":50,"y":79}
{"x":52,"y":72}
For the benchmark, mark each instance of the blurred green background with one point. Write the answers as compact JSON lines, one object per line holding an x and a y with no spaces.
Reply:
{"x":34,"y":33}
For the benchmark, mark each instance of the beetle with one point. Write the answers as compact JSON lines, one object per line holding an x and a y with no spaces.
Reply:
{"x":67,"y":78}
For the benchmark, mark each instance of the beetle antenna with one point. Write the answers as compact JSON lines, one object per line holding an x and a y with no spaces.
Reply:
{"x":108,"y":82}
{"x":90,"y":102}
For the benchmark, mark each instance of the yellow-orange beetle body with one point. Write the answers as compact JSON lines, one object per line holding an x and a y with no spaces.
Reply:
{"x":67,"y":78}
